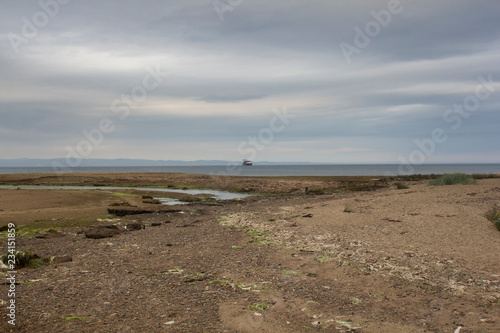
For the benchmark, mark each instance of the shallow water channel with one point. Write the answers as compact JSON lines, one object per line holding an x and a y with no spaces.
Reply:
{"x":218,"y":195}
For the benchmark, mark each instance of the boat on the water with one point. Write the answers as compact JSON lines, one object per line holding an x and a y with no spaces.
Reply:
{"x":247,"y":162}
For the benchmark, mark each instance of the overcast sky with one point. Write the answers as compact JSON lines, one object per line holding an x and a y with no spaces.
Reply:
{"x":353,"y":81}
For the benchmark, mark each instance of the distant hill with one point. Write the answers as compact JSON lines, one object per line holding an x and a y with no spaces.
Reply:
{"x":122,"y":162}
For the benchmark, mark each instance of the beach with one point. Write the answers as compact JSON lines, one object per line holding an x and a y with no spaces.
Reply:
{"x":298,"y":254}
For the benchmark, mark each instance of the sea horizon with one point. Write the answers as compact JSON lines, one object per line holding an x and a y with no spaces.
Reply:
{"x":280,"y":170}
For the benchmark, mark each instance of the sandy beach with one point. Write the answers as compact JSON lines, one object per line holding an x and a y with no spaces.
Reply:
{"x":302,"y":254}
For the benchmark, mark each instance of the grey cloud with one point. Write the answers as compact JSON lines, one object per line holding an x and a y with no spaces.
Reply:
{"x":263,"y":52}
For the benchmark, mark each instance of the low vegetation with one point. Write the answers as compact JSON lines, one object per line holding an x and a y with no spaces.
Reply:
{"x":45,"y":225}
{"x":288,"y":272}
{"x":494,"y":216}
{"x":401,"y":186}
{"x":25,"y":259}
{"x":260,"y":307}
{"x":258,"y":236}
{"x":323,"y":258}
{"x":452,"y":179}
{"x":74,"y":318}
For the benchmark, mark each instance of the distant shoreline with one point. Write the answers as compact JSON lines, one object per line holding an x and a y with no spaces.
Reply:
{"x":277,"y":170}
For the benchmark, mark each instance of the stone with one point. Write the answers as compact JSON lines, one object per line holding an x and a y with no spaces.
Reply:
{"x":128,"y":211}
{"x":61,"y":259}
{"x":135,"y":226}
{"x":102,"y":232}
{"x":152,"y":201}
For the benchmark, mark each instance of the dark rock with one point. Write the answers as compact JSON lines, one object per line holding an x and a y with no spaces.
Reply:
{"x":156,"y":224}
{"x":168,"y":211}
{"x":51,"y":234}
{"x":144,"y":197}
{"x":121,"y":204}
{"x":186,"y":226}
{"x":135,"y":226}
{"x":391,"y":220}
{"x":99,"y":232}
{"x":61,"y":259}
{"x":152,"y":201}
{"x":308,"y":215}
{"x":167,"y":222}
{"x":128,"y":211}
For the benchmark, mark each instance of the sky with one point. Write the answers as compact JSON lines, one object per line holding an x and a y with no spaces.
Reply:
{"x":348,"y":81}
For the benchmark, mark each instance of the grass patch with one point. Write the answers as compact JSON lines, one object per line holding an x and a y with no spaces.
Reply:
{"x":494,"y":216}
{"x":347,"y":210}
{"x":175,"y":271}
{"x":235,"y":247}
{"x":41,"y":226}
{"x":287,"y":272}
{"x":259,"y":307}
{"x":74,"y":318}
{"x":196,"y":277}
{"x":355,"y":300}
{"x":25,"y":259}
{"x":452,"y":179}
{"x":401,"y":186}
{"x":323,"y":258}
{"x":120,"y":194}
{"x":224,"y":283}
{"x":258,"y":236}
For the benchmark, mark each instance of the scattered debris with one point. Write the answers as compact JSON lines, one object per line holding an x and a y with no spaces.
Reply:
{"x":391,"y":220}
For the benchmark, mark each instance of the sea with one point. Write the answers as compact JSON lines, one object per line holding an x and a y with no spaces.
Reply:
{"x":284,"y":170}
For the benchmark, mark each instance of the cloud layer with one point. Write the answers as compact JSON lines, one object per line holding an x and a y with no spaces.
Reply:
{"x":410,"y":68}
